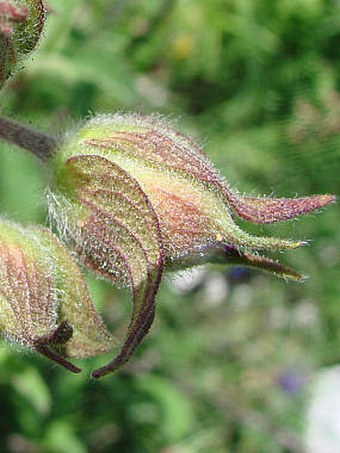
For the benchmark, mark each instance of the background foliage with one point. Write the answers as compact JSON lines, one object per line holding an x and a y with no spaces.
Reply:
{"x":229,"y":361}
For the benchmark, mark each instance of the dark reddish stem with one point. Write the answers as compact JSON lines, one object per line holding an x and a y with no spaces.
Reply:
{"x":39,"y":144}
{"x":61,"y":335}
{"x":44,"y":350}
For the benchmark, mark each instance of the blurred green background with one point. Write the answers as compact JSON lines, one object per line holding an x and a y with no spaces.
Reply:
{"x":228,"y":364}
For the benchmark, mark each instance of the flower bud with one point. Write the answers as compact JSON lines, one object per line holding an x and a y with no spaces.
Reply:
{"x":21,"y":24}
{"x":130,"y":194}
{"x":44,"y":301}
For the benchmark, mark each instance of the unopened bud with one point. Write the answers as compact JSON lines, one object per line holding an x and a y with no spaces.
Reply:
{"x":130,"y":193}
{"x":21,"y":24}
{"x":44,"y":301}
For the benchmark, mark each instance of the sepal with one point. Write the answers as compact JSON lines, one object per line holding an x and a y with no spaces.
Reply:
{"x":21,"y":25}
{"x":44,"y":301}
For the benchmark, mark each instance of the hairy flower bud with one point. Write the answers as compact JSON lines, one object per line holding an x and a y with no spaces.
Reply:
{"x":44,"y":301}
{"x":130,"y":194}
{"x":21,"y":24}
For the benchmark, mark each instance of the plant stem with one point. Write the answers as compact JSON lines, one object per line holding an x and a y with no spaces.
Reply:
{"x":41,"y":145}
{"x":44,"y":350}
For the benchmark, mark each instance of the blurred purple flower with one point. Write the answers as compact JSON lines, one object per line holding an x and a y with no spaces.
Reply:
{"x":291,"y":380}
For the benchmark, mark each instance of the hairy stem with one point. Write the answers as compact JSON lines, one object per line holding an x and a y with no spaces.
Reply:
{"x":41,"y":145}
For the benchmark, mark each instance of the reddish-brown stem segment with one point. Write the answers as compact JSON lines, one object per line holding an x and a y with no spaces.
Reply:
{"x":47,"y":352}
{"x":61,"y":335}
{"x":39,"y":144}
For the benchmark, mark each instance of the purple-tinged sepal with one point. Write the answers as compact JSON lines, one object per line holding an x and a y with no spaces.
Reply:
{"x":44,"y":301}
{"x":109,"y":221}
{"x":21,"y":25}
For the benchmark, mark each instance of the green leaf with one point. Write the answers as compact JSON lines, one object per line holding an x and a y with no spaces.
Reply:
{"x":33,"y":388}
